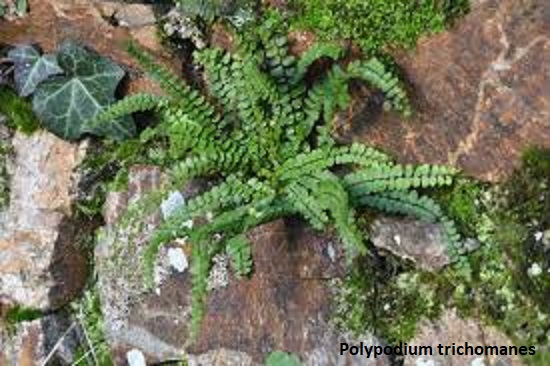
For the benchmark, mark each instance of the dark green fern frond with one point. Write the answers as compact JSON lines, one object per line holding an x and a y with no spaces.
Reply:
{"x":192,"y":167}
{"x":315,"y":53}
{"x":190,"y":101}
{"x":240,"y":252}
{"x":334,"y":198}
{"x":375,"y":73}
{"x":131,"y":104}
{"x":306,"y":204}
{"x":201,"y":257}
{"x":386,"y":177}
{"x":327,"y":157}
{"x":410,"y":203}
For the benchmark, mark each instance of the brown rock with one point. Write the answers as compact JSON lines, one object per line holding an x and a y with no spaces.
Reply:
{"x":482,"y":92}
{"x":40,"y":266}
{"x":285,"y":304}
{"x":451,"y":329}
{"x":421,"y":242}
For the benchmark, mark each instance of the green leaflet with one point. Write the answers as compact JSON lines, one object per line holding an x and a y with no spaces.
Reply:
{"x":65,"y":103}
{"x":240,"y":252}
{"x":31,"y":68}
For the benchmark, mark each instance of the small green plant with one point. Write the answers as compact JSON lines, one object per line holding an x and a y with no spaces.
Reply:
{"x":280,"y":358}
{"x":5,"y":150}
{"x":18,"y":112}
{"x":94,"y":350}
{"x":376,"y":23}
{"x":19,"y":314}
{"x":264,"y":135}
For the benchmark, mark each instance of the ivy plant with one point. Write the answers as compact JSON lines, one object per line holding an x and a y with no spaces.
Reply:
{"x":69,"y":88}
{"x":263,"y":135}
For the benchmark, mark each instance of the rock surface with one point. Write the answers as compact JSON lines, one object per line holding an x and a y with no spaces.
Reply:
{"x":482,"y":92}
{"x":40,"y":266}
{"x":283,"y":306}
{"x":421,"y":242}
{"x":32,"y":343}
{"x":449,"y":329}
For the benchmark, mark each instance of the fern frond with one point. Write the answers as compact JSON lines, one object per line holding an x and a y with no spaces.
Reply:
{"x":422,"y":207}
{"x":189,"y":100}
{"x":334,"y":198}
{"x":131,"y":104}
{"x":192,"y":167}
{"x":335,"y":94}
{"x":240,"y":252}
{"x":304,"y":202}
{"x":186,"y":135}
{"x":375,"y":73}
{"x":201,"y":258}
{"x":386,"y":177}
{"x":323,"y":158}
{"x":313,"y":54}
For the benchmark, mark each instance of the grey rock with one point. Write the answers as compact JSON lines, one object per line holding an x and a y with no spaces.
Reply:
{"x":53,"y":338}
{"x":423,"y":243}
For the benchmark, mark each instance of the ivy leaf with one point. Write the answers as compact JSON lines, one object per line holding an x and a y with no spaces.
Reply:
{"x":31,"y":68}
{"x":65,"y":103}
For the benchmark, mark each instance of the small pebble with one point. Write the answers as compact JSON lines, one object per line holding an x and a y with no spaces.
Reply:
{"x":135,"y":358}
{"x":177,"y":259}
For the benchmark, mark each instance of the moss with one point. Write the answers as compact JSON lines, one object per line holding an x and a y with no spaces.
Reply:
{"x":462,"y":202}
{"x":19,"y":314}
{"x":5,"y":151}
{"x":385,"y":297}
{"x":375,"y":24}
{"x":18,"y":111}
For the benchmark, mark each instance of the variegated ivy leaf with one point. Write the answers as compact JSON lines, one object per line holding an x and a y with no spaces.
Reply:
{"x":65,"y":103}
{"x":31,"y":68}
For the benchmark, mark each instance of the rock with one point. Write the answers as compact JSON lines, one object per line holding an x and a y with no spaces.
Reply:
{"x":451,"y":329}
{"x":285,"y":305}
{"x":53,"y":338}
{"x":421,"y":242}
{"x":184,"y":27}
{"x":481,"y":93}
{"x":128,"y":15}
{"x":40,"y":265}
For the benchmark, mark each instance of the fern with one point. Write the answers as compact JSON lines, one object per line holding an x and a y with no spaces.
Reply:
{"x":240,"y":253}
{"x":264,"y":135}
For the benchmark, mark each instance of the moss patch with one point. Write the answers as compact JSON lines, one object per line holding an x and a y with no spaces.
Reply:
{"x":375,"y":24}
{"x":18,"y":111}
